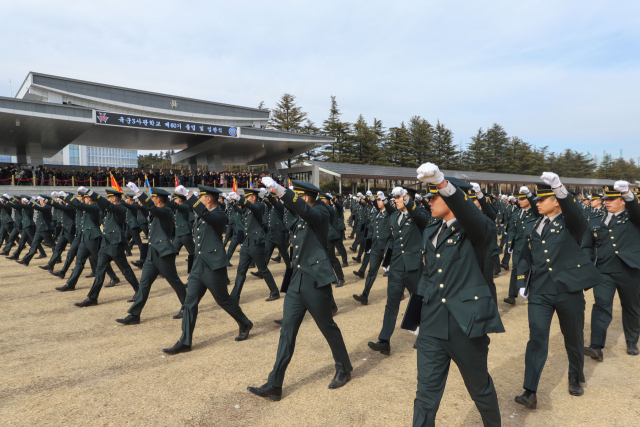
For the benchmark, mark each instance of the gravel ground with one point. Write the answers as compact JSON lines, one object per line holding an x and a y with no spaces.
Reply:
{"x":64,"y":365}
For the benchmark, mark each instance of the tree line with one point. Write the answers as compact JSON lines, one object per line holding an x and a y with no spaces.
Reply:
{"x":417,"y":141}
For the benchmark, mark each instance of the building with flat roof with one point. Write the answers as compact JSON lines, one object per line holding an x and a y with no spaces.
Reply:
{"x":49,"y":113}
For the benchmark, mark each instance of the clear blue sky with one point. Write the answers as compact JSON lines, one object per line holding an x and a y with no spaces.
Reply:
{"x":563,"y":74}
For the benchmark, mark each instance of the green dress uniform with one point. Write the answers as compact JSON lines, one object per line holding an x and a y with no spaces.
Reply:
{"x":238,"y":229}
{"x":310,"y":286}
{"x":457,"y":308}
{"x":517,"y":237}
{"x":67,"y":222}
{"x":493,"y":258}
{"x":253,"y":248}
{"x":339,"y":226}
{"x":27,"y":231}
{"x":113,"y":245}
{"x":132,"y":226}
{"x":333,"y":237}
{"x":209,"y":269}
{"x":381,"y":241}
{"x":559,"y":272}
{"x":143,"y":220}
{"x":614,"y":239}
{"x":161,"y":256}
{"x":276,"y":231}
{"x":6,"y":226}
{"x":183,"y":226}
{"x":44,"y":229}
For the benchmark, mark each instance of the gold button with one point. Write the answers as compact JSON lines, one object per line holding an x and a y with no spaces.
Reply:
{"x":442,"y":285}
{"x":550,"y":269}
{"x":199,"y":252}
{"x":319,"y":261}
{"x":543,"y":241}
{"x":578,"y":265}
{"x":612,"y":237}
{"x":298,"y":265}
{"x":437,"y":255}
{"x":614,"y":244}
{"x":402,"y":251}
{"x":545,"y":251}
{"x":475,"y":297}
{"x":610,"y":231}
{"x":548,"y":260}
{"x":296,"y":246}
{"x":440,"y":270}
{"x":444,"y":300}
{"x":616,"y":251}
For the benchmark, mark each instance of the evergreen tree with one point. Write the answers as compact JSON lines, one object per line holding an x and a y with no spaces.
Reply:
{"x":475,"y":155}
{"x":497,"y":145}
{"x":421,"y":133}
{"x":364,"y":147}
{"x":287,"y":116}
{"x":337,"y":129}
{"x":261,"y":106}
{"x":443,"y":150}
{"x":398,"y":148}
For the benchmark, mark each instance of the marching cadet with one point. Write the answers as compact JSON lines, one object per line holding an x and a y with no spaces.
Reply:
{"x":183,"y":226}
{"x":332,"y":240}
{"x":612,"y":242}
{"x":161,"y":256}
{"x":235,"y":221}
{"x":276,"y":231}
{"x":339,"y":226}
{"x":253,"y":247}
{"x":209,"y":269}
{"x":357,"y":206}
{"x":511,"y":209}
{"x":407,"y":225}
{"x":132,"y":226}
{"x":596,"y":210}
{"x":381,"y":241}
{"x":457,"y":308}
{"x":558,"y":272}
{"x":27,"y":230}
{"x":526,"y":216}
{"x":8,"y":230}
{"x":67,"y":222}
{"x":113,"y":244}
{"x":309,"y":289}
{"x":143,"y":220}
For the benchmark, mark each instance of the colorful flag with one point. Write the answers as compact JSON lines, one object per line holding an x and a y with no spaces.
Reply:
{"x":251,"y":183}
{"x":176,"y":177}
{"x":235,"y":186}
{"x":146,"y":182}
{"x":114,"y":183}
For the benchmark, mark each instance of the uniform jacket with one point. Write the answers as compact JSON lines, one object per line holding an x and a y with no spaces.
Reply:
{"x":252,"y":220}
{"x":68,"y":218}
{"x":516,"y":235}
{"x":161,"y":227}
{"x":208,"y":231}
{"x":381,"y":236}
{"x":131,"y":218}
{"x":43,"y":218}
{"x":87,"y":218}
{"x":276,"y":230}
{"x":407,"y":237}
{"x":181,"y":220}
{"x":114,"y":220}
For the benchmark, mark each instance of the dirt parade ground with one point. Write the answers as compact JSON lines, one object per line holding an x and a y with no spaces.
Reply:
{"x":69,"y":366}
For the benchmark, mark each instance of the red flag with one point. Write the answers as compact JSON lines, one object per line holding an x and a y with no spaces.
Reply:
{"x":176,"y":177}
{"x":235,"y":187}
{"x":114,"y":183}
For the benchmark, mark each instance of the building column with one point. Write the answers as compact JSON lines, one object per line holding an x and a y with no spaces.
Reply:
{"x":215,"y":162}
{"x":30,"y":154}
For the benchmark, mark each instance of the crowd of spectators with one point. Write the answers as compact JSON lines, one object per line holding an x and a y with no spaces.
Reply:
{"x":45,"y":175}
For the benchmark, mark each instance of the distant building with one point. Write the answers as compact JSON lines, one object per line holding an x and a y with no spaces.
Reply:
{"x":80,"y":155}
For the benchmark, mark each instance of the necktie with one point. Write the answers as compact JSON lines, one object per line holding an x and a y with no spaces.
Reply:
{"x":544,"y":225}
{"x":441,"y":232}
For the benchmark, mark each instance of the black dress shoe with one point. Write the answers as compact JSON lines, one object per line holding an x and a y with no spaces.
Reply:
{"x":362,"y":299}
{"x":257,"y":274}
{"x":268,"y":391}
{"x":510,"y":300}
{"x":632,"y":348}
{"x":90,"y":276}
{"x":340,"y":283}
{"x":340,"y":379}
{"x":23,"y":262}
{"x":344,"y":264}
{"x":356,"y":259}
{"x":495,"y":275}
{"x":65,"y":288}
{"x":244,"y":332}
{"x":273,"y":296}
{"x":383,"y":347}
{"x":133,"y":298}
{"x":595,"y":352}
{"x":58,"y":261}
{"x":86,"y":303}
{"x":177,"y":348}
{"x":46,"y":267}
{"x":59,"y":274}
{"x":352,"y":249}
{"x":12,"y":257}
{"x":4,"y":253}
{"x":527,"y":399}
{"x":138,"y":263}
{"x":359,"y":273}
{"x":278,"y":321}
{"x":179,"y":315}
{"x":112,"y":283}
{"x":41,"y":256}
{"x":277,"y":259}
{"x":506,"y":267}
{"x":129,"y":320}
{"x":575,"y":388}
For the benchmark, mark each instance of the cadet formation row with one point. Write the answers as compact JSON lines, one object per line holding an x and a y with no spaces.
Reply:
{"x":442,"y":247}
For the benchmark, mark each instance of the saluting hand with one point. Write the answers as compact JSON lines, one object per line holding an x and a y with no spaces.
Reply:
{"x":429,"y":173}
{"x":133,"y":187}
{"x":476,"y":187}
{"x":621,"y":186}
{"x":524,"y":190}
{"x":551,"y":179}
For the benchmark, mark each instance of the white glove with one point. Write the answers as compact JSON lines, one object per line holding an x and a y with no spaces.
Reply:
{"x":551,"y":179}
{"x":429,"y":173}
{"x":54,"y":194}
{"x":476,"y":187}
{"x":418,"y":197}
{"x":34,"y":200}
{"x":224,"y":195}
{"x":234,"y":196}
{"x":359,"y":195}
{"x":25,"y":200}
{"x":83,"y":189}
{"x":133,"y":187}
{"x":329,"y":196}
{"x":621,"y":186}
{"x":135,"y":198}
{"x":381,"y":195}
{"x":512,"y":199}
{"x":40,"y":199}
{"x":62,"y":193}
{"x":510,"y":251}
{"x":525,"y":190}
{"x":522,"y":294}
{"x":351,"y":196}
{"x":369,"y":194}
{"x":6,"y":196}
{"x":416,"y":332}
{"x":262,"y":193}
{"x":269,"y":183}
{"x":180,"y":189}
{"x":398,"y":192}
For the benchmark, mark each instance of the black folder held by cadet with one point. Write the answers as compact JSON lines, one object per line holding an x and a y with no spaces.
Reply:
{"x":411,"y":319}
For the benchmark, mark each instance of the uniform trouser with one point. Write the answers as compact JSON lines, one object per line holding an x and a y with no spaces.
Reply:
{"x":153,"y":266}
{"x":626,"y":283}
{"x":335,"y":264}
{"x":363,"y":245}
{"x":86,"y":249}
{"x":26,"y":236}
{"x":252,"y":252}
{"x":64,"y":239}
{"x":340,"y":247}
{"x":375,"y":258}
{"x":134,"y":233}
{"x":570,"y":309}
{"x":434,"y":360}
{"x":318,"y":302}
{"x":104,"y":258}
{"x":270,"y":246}
{"x":398,"y":281}
{"x":93,"y":262}
{"x":71,"y":254}
{"x":5,"y":233}
{"x":227,"y":235}
{"x":186,"y":241}
{"x":12,"y":239}
{"x":507,"y":256}
{"x":216,"y":282}
{"x":145,"y":228}
{"x":503,"y":239}
{"x":358,"y":239}
{"x":232,"y":245}
{"x":42,"y":236}
{"x":513,"y":288}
